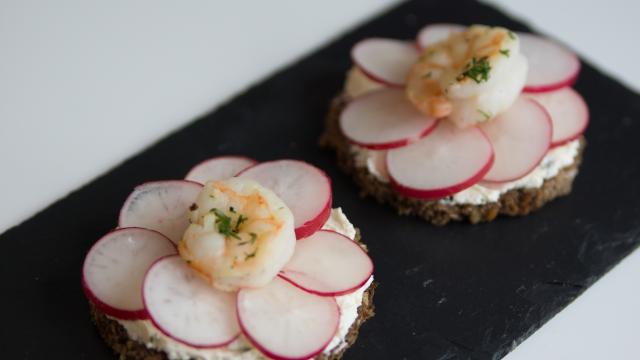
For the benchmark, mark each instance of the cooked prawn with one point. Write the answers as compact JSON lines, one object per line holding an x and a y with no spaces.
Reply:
{"x":470,"y":77}
{"x":241,"y":234}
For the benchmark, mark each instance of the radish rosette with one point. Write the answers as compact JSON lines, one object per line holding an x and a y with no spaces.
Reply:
{"x":426,"y":162}
{"x":133,"y":273}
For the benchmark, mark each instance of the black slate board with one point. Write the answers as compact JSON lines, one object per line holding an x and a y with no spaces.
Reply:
{"x":455,"y":292}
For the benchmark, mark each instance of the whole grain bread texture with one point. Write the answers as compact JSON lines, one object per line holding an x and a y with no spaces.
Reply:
{"x":128,"y":349}
{"x":516,"y":202}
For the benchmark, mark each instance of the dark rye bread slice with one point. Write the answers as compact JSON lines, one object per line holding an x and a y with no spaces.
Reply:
{"x":128,"y":349}
{"x":516,"y":202}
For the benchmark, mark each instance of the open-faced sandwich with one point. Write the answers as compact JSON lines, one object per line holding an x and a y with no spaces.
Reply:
{"x":241,"y":260}
{"x":467,"y":123}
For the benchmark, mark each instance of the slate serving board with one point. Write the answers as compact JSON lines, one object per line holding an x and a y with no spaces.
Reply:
{"x":459,"y":291}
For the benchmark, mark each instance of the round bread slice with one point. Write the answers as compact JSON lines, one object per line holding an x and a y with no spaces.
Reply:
{"x":515,"y":202}
{"x":115,"y":335}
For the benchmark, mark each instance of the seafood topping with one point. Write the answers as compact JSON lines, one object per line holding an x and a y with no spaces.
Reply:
{"x":470,"y":77}
{"x":241,"y":234}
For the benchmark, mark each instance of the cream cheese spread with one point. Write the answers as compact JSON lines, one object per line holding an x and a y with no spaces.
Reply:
{"x":556,"y":159}
{"x":145,"y":332}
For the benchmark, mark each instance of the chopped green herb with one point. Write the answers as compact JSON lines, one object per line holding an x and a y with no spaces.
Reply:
{"x":193,"y":207}
{"x":251,"y":255}
{"x":427,"y":75}
{"x":239,"y":222}
{"x":505,"y":52}
{"x":486,"y":115}
{"x":253,"y":237}
{"x":224,"y":224}
{"x":511,"y":35}
{"x":477,"y":70}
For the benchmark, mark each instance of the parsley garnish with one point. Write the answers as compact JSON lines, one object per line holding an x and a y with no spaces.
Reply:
{"x":224,"y":224}
{"x":253,"y":237}
{"x":485,"y":114}
{"x":250,"y":255}
{"x":477,"y":70}
{"x":511,"y":35}
{"x":239,"y":222}
{"x":505,"y":52}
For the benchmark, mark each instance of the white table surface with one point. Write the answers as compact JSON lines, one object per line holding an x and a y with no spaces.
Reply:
{"x":85,"y":84}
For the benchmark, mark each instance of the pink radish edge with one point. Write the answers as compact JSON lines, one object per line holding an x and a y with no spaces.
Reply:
{"x":581,"y":131}
{"x":204,"y":162}
{"x":104,"y":307}
{"x":313,"y":225}
{"x":339,"y":293}
{"x":554,"y":86}
{"x":168,"y":334}
{"x":276,"y":356}
{"x":396,"y":143}
{"x":370,"y":74}
{"x":120,"y":215}
{"x":441,"y":193}
{"x":110,"y":310}
{"x":548,"y":117}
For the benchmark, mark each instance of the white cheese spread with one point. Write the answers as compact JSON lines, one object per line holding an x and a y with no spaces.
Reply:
{"x":556,"y":159}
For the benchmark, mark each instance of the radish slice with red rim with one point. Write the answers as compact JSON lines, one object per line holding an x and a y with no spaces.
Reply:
{"x":219,"y":168}
{"x":384,"y":119}
{"x":569,"y":113}
{"x":551,"y":66}
{"x":162,"y":206}
{"x":445,"y":162}
{"x":303,"y":187}
{"x":183,"y":306}
{"x":284,"y":322}
{"x":114,"y":268}
{"x":434,"y":33}
{"x":521,"y":137}
{"x":328,"y":264}
{"x":386,"y":61}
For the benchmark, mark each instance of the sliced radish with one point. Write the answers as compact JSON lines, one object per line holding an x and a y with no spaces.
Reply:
{"x":219,"y":168}
{"x":434,"y":33}
{"x":303,"y":187}
{"x":186,"y":308}
{"x":114,"y":268}
{"x":384,"y":119}
{"x":569,"y":113}
{"x":285,"y":322}
{"x":521,"y":137}
{"x":328,"y":264}
{"x":162,"y":206}
{"x":551,"y":66}
{"x":445,"y":162}
{"x":386,"y":61}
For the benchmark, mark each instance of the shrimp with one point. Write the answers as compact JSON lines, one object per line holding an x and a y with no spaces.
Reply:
{"x":470,"y":77}
{"x":241,"y":234}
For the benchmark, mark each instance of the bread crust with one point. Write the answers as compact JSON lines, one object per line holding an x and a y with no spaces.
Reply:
{"x":126,"y":348}
{"x":515,"y":202}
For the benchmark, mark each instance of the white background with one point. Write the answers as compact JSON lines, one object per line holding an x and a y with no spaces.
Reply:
{"x":85,"y":84}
